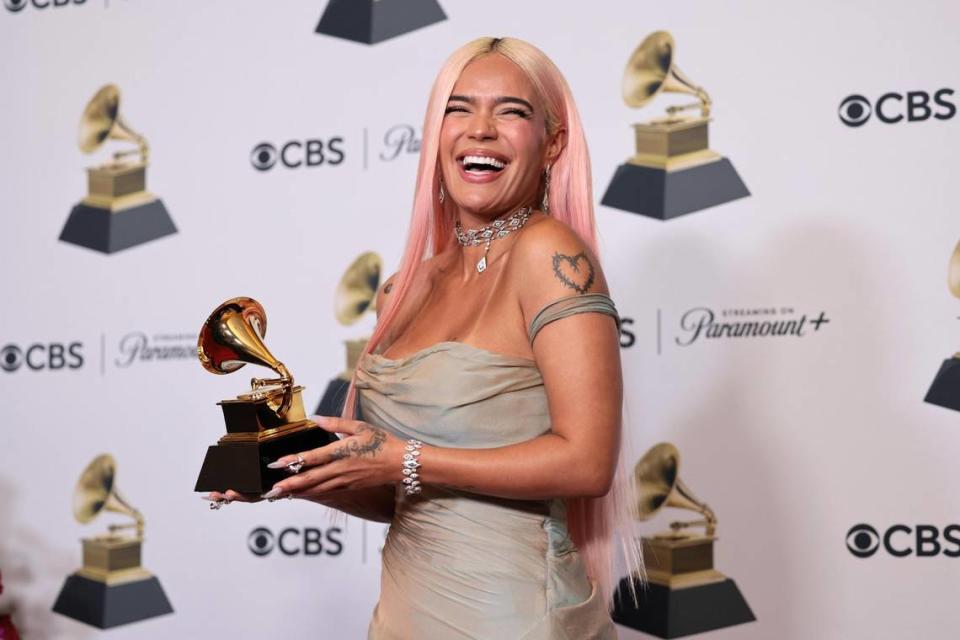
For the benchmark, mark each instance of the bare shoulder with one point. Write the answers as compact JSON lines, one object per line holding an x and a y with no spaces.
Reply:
{"x":383,"y":293}
{"x":551,"y":261}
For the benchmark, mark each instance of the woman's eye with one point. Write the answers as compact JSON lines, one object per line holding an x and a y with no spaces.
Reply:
{"x":517,"y":112}
{"x":455,"y":110}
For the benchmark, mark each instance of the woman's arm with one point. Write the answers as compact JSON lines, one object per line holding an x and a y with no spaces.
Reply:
{"x":579,"y":359}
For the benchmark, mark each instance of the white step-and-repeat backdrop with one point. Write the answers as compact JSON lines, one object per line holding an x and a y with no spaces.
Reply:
{"x":281,"y":153}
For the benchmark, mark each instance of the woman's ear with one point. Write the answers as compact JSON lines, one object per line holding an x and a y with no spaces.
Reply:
{"x":555,"y":146}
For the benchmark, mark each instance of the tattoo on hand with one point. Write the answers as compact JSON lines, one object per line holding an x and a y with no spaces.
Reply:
{"x":371,"y":447}
{"x":572,"y":273}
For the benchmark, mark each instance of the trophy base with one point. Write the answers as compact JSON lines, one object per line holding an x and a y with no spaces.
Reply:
{"x":373,"y":21}
{"x":110,"y":605}
{"x":331,"y":404}
{"x":663,"y":194}
{"x":109,"y":232}
{"x":674,"y":613}
{"x":242,"y":466}
{"x":945,"y":390}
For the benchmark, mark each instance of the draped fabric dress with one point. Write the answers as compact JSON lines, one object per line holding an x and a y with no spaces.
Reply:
{"x":460,"y":565}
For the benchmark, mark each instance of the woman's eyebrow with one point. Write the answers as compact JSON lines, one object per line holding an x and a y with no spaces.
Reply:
{"x":499,"y":100}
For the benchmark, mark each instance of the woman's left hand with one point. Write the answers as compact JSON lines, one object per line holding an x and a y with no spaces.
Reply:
{"x":367,"y":457}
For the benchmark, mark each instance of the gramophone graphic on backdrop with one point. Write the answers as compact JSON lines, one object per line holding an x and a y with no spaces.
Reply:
{"x":263,"y":424}
{"x":673,"y":171}
{"x":945,"y":390}
{"x":686,"y":595}
{"x":373,"y":21}
{"x":118,"y":212}
{"x":111,"y":588}
{"x":356,"y":295}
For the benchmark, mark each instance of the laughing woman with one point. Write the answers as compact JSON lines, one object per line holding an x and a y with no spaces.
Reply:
{"x":484,"y":418}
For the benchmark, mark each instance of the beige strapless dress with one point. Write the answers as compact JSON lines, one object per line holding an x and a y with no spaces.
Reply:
{"x":459,"y":565}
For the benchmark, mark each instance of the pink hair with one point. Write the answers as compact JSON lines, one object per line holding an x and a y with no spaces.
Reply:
{"x":592,"y":522}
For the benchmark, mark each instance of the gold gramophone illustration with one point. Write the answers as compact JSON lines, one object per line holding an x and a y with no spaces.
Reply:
{"x":673,"y":171}
{"x":686,"y":593}
{"x":373,"y":21}
{"x":111,"y":588}
{"x":945,"y":390}
{"x":118,"y":211}
{"x":356,"y":296}
{"x":263,"y":424}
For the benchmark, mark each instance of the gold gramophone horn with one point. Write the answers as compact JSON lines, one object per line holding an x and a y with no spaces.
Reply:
{"x":659,"y":485}
{"x":101,"y":121}
{"x":651,"y":70}
{"x":233,"y":336}
{"x":953,"y":273}
{"x":96,"y":491}
{"x":357,"y":291}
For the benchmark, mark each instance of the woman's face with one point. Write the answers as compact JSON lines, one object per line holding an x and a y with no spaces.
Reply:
{"x":493,"y":142}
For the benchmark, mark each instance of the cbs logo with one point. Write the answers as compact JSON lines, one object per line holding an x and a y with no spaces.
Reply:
{"x":893,"y":107}
{"x":16,"y":6}
{"x":296,"y":154}
{"x":309,"y":541}
{"x":53,"y":356}
{"x":899,"y":540}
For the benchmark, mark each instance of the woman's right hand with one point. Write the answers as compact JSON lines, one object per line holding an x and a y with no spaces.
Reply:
{"x":218,"y":499}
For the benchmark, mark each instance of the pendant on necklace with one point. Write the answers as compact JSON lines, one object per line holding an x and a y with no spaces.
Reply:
{"x":482,"y":265}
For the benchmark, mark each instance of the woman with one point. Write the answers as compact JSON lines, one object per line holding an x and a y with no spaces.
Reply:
{"x":490,"y":392}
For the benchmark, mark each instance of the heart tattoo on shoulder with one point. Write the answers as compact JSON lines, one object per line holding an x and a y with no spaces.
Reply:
{"x":575,"y":272}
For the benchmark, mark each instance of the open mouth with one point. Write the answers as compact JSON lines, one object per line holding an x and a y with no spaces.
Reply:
{"x":481,"y":165}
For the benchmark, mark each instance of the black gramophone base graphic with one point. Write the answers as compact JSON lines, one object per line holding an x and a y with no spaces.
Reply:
{"x":110,"y":605}
{"x":373,"y":21}
{"x":674,"y":613}
{"x":661,"y":194}
{"x":945,"y":390}
{"x":108,"y":232}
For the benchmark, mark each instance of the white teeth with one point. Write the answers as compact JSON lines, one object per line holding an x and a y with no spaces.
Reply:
{"x":483,"y":160}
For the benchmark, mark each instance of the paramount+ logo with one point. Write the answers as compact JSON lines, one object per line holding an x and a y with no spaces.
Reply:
{"x":52,"y":356}
{"x":292,"y":541}
{"x":298,"y":154}
{"x":894,"y":107}
{"x":16,"y":6}
{"x":900,"y":540}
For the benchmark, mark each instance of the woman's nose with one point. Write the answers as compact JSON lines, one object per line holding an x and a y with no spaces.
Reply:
{"x":482,"y":127}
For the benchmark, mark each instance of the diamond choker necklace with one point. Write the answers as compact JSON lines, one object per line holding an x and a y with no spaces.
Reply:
{"x":485,"y":235}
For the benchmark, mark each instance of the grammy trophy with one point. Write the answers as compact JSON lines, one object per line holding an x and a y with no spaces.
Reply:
{"x":111,"y":588}
{"x":673,"y":171}
{"x":264,"y":424}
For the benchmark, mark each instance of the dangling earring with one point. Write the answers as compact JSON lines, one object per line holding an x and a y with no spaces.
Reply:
{"x":545,"y":204}
{"x":442,"y":195}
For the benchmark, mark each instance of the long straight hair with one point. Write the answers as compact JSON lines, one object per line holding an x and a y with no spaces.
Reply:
{"x":593,"y":522}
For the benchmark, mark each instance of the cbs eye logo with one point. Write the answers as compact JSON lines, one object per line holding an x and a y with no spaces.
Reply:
{"x":296,"y":154}
{"x":15,"y":6}
{"x":863,"y":540}
{"x":892,"y":107}
{"x":260,"y":541}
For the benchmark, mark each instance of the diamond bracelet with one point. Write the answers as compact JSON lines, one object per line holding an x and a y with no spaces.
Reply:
{"x":411,"y":465}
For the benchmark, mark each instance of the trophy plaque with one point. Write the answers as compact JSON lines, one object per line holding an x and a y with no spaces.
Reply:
{"x":373,"y":21}
{"x":262,"y":425}
{"x":686,"y":594}
{"x":945,"y":389}
{"x":118,"y":212}
{"x":111,"y":588}
{"x":356,"y":295}
{"x":674,"y":171}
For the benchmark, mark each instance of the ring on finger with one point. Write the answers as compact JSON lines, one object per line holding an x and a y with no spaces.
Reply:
{"x":297,"y":465}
